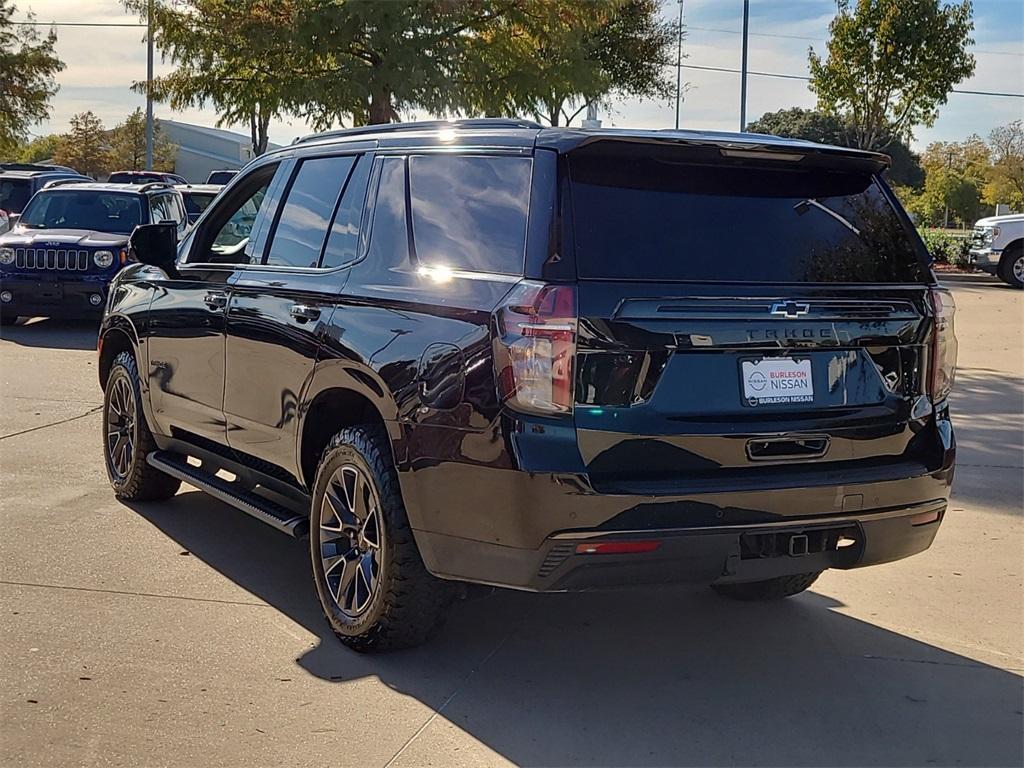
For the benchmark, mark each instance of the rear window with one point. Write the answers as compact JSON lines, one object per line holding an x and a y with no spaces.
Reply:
{"x":196,"y":202}
{"x":638,"y":218}
{"x":470,"y":213}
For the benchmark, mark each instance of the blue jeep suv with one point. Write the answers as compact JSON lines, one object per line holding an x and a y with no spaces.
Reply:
{"x":71,"y":240}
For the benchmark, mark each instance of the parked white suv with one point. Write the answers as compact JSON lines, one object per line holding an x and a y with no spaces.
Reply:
{"x":997,"y":247}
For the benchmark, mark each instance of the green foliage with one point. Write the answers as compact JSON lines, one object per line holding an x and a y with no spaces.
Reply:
{"x":41,"y":148}
{"x":812,"y":125}
{"x":367,"y":62}
{"x":28,"y":64}
{"x":891,"y":64}
{"x":128,"y":145}
{"x":1005,"y":179}
{"x":946,"y":248}
{"x":85,"y":147}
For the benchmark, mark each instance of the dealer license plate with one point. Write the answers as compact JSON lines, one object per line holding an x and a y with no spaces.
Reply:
{"x":777,"y":380}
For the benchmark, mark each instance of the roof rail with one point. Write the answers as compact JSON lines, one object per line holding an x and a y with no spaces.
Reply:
{"x":424,"y":125}
{"x":62,"y":182}
{"x":153,"y":185}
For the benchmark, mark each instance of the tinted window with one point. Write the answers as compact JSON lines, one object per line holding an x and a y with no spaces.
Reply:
{"x":302,"y":224}
{"x":165,"y":208}
{"x":220,"y":177}
{"x":14,"y":194}
{"x":96,"y":211}
{"x":389,"y":241}
{"x":642,"y":218}
{"x":343,"y":240}
{"x":470,"y":212}
{"x":196,"y":202}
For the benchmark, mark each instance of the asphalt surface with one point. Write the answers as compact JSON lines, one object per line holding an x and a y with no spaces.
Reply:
{"x":186,"y":634}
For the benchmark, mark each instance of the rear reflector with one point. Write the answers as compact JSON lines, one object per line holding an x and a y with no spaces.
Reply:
{"x":925,"y":517}
{"x":617,"y":547}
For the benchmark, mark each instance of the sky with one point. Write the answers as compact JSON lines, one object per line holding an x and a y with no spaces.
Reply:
{"x":103,"y":62}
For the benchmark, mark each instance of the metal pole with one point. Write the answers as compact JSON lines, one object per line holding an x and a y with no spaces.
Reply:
{"x":679,"y":65}
{"x":149,"y":87}
{"x":743,"y":67}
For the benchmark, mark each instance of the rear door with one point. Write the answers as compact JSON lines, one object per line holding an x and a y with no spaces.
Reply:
{"x":280,"y":307}
{"x":748,"y":321}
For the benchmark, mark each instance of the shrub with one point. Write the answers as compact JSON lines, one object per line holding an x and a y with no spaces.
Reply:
{"x":946,"y":248}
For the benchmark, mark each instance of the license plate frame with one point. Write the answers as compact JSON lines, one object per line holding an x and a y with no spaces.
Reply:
{"x":776,"y":381}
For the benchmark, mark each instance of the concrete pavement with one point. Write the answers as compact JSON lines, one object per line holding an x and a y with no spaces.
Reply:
{"x":186,"y":634}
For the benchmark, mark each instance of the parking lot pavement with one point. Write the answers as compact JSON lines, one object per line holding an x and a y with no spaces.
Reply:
{"x":184,"y":633}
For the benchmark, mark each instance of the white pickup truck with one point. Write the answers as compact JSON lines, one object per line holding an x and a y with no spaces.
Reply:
{"x":997,"y":247}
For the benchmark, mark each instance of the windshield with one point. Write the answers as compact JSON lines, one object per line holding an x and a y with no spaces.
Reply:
{"x":646,"y":218}
{"x":14,"y":193}
{"x":83,"y":209}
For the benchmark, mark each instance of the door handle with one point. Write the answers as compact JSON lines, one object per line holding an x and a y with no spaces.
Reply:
{"x":304,"y":312}
{"x":216,"y":300}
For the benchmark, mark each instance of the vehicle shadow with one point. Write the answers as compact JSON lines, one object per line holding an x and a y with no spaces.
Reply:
{"x":52,"y":333}
{"x":645,"y":677}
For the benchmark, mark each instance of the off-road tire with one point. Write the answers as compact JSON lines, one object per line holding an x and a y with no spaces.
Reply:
{"x":409,"y":604}
{"x":142,"y":481}
{"x":1006,"y":263}
{"x":770,"y":589}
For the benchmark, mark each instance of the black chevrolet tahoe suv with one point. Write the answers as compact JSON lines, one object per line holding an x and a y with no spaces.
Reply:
{"x":546,"y":359}
{"x":71,"y":239}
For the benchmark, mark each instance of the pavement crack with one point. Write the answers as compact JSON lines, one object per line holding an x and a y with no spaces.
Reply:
{"x":133,"y":594}
{"x":53,"y":423}
{"x":969,"y":665}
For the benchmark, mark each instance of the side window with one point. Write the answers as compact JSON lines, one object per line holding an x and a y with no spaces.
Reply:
{"x":225,"y":235}
{"x":343,"y":239}
{"x":470,"y":212}
{"x":163,"y":208}
{"x":302,"y":224}
{"x":389,"y":239}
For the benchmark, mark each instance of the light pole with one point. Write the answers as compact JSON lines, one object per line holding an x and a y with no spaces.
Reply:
{"x":743,"y":67}
{"x":679,"y":65}
{"x":149,"y":86}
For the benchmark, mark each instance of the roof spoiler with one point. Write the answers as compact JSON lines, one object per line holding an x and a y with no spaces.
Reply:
{"x":711,"y":147}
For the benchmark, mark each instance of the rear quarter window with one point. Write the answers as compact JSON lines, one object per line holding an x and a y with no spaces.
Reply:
{"x":470,"y":212}
{"x":638,"y":218}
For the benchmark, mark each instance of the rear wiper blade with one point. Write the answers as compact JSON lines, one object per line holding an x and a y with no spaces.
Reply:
{"x":803,"y":204}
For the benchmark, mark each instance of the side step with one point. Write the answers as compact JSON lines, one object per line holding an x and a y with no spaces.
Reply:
{"x":261,"y":508}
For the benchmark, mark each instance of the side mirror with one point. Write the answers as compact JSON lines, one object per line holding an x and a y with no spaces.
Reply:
{"x":13,"y":219}
{"x":156,"y":245}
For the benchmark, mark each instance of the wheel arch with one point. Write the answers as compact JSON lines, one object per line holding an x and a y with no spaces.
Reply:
{"x":116,"y":336}
{"x":340,"y":396}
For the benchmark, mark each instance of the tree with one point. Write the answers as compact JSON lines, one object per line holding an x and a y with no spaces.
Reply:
{"x":812,"y":125}
{"x":543,"y":57}
{"x":233,"y":54}
{"x":28,"y":64}
{"x":128,"y":145}
{"x":358,"y":62}
{"x":1006,"y":176}
{"x":40,"y":148}
{"x":85,"y":148}
{"x":891,"y":64}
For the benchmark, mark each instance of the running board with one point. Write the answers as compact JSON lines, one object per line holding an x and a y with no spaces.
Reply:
{"x":253,"y":504}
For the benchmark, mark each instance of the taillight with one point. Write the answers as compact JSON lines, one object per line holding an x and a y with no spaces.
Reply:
{"x":535,"y":347}
{"x":943,"y":351}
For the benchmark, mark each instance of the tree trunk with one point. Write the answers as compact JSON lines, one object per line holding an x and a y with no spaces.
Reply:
{"x":381,"y":109}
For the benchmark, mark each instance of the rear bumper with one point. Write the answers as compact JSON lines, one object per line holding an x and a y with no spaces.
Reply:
{"x":494,"y":524}
{"x":706,"y":555}
{"x":36,"y":296}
